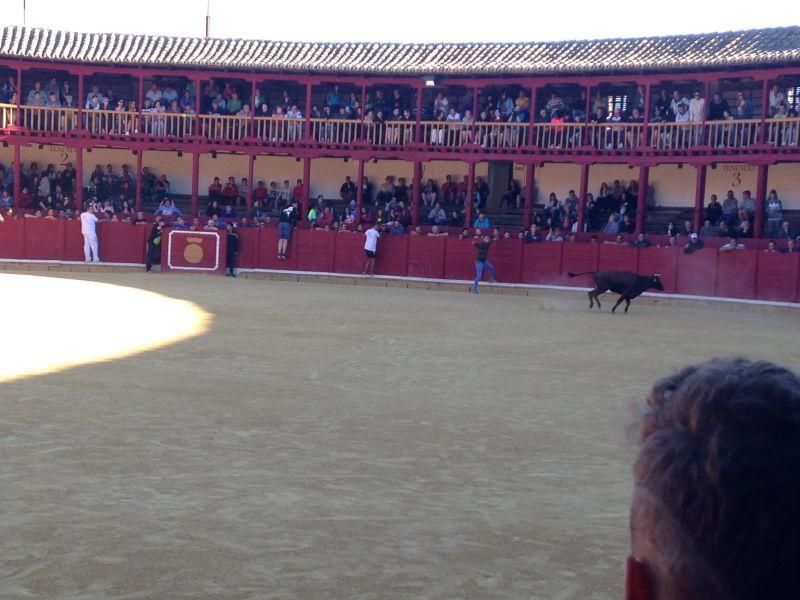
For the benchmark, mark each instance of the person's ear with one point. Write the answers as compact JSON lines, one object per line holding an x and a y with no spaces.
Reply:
{"x":638,"y":585}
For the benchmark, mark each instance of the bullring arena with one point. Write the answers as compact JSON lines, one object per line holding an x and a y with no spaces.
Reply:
{"x":305,"y":431}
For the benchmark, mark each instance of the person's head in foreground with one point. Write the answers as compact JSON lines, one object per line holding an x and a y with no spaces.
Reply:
{"x":716,"y":502}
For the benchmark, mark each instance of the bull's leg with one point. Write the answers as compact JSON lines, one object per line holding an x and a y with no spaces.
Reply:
{"x":627,"y":304}
{"x":621,"y":298}
{"x":591,"y":299}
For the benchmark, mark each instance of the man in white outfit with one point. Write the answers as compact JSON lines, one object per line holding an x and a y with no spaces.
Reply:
{"x":89,"y":231}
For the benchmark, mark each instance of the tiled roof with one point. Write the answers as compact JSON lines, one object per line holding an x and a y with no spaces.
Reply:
{"x":734,"y":48}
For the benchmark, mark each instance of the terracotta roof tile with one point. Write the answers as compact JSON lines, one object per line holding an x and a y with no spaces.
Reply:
{"x":751,"y":47}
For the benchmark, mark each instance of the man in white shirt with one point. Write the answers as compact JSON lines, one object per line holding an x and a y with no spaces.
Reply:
{"x":89,"y":231}
{"x":371,"y":248}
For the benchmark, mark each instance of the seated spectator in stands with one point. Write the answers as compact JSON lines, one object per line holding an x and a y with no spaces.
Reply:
{"x":717,"y":108}
{"x":554,"y":235}
{"x":612,"y":226}
{"x":230,"y":192}
{"x":496,"y":234}
{"x":641,"y":241}
{"x":449,"y":190}
{"x":348,"y":190}
{"x":167,"y":208}
{"x":790,"y":248}
{"x":139,"y":220}
{"x":436,"y":232}
{"x":771,"y":248}
{"x":215,"y":189}
{"x":437,"y":216}
{"x":273,"y":195}
{"x":228,"y":212}
{"x":257,"y":211}
{"x":464,"y":235}
{"x":429,"y":195}
{"x":744,"y":230}
{"x":730,"y":208}
{"x":456,"y":218}
{"x":785,"y":232}
{"x":627,"y":225}
{"x":6,"y":201}
{"x":35,"y":215}
{"x":513,"y":196}
{"x":195,"y":226}
{"x":708,"y":230}
{"x":325,"y":219}
{"x":774,"y":211}
{"x":213,"y":223}
{"x":714,"y":210}
{"x":618,"y":240}
{"x":532,"y":235}
{"x":694,"y":243}
{"x":748,"y":204}
{"x":260,"y":193}
{"x":212,"y":209}
{"x":416,"y":231}
{"x":733,"y":244}
{"x":482,"y":221}
{"x":179,"y":223}
{"x":365,"y":216}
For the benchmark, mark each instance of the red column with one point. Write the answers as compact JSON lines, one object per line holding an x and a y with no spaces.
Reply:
{"x":306,"y":186}
{"x":18,"y":172}
{"x":416,"y":192}
{"x":79,"y":100}
{"x":533,"y":112}
{"x":764,"y":112}
{"x":468,"y":201}
{"x":583,"y":191}
{"x":78,"y":177}
{"x":641,"y":206}
{"x":699,"y":196}
{"x":195,"y":181}
{"x":307,"y":126}
{"x":530,"y":181}
{"x":139,"y":180}
{"x":359,"y":191}
{"x":761,"y":194}
{"x":248,"y":197}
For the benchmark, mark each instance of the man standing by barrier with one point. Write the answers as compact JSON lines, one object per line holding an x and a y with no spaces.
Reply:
{"x":286,"y":222}
{"x":154,"y":245}
{"x":371,"y":248}
{"x":481,"y":261}
{"x":89,"y":232}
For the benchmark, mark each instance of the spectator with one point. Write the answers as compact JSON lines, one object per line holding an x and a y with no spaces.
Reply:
{"x":697,"y":108}
{"x":348,"y":190}
{"x":482,"y":221}
{"x":641,"y":241}
{"x":694,"y":243}
{"x":785,"y":232}
{"x":748,"y":204}
{"x":6,"y":201}
{"x":436,"y":232}
{"x":618,"y":240}
{"x":715,"y":485}
{"x":772,"y":248}
{"x":627,"y":225}
{"x":167,"y":208}
{"x":228,"y":212}
{"x":714,"y":210}
{"x":482,"y":263}
{"x":287,"y":220}
{"x":717,"y":108}
{"x":215,"y":189}
{"x":708,"y":230}
{"x":437,"y":216}
{"x":230,"y":193}
{"x":733,"y":244}
{"x":774,"y":213}
{"x":791,"y":247}
{"x":554,"y":235}
{"x":153,"y":254}
{"x":744,"y":229}
{"x":730,"y":208}
{"x":612,"y":226}
{"x":532,"y":235}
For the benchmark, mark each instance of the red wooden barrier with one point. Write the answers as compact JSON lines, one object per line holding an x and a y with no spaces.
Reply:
{"x":663,"y":261}
{"x":392,"y":254}
{"x":73,"y":241}
{"x":617,"y":257}
{"x":248,"y":248}
{"x":350,"y":256}
{"x":736,"y":274}
{"x":122,"y":242}
{"x":541,"y":263}
{"x":506,"y":256}
{"x":268,"y":250}
{"x":578,"y":258}
{"x":193,"y":251}
{"x":697,"y":272}
{"x":426,"y":256}
{"x":12,"y":233}
{"x":459,"y":259}
{"x":43,"y":239}
{"x":778,"y":276}
{"x":316,"y":250}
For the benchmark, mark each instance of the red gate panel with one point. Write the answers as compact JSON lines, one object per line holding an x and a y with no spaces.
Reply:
{"x":315,"y":250}
{"x":11,"y":238}
{"x":73,"y":241}
{"x":44,"y":239}
{"x":664,"y":262}
{"x":618,"y":257}
{"x":459,"y":259}
{"x":268,"y":250}
{"x":193,"y":251}
{"x":506,"y":256}
{"x":392,"y":254}
{"x":248,"y":248}
{"x":123,"y":242}
{"x":426,"y":256}
{"x":577,"y":258}
{"x":736,"y":274}
{"x":541,"y":263}
{"x":350,"y":256}
{"x":697,"y":272}
{"x":777,"y":276}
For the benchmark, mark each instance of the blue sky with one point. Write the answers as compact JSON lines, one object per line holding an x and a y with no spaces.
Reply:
{"x":410,"y":21}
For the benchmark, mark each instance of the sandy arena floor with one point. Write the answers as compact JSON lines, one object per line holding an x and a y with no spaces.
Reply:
{"x":344,"y":442}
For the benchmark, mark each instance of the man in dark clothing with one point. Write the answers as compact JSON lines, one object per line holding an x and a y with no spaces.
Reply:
{"x":482,"y":262}
{"x":154,"y":245}
{"x":717,"y":108}
{"x":348,"y":190}
{"x":714,"y":210}
{"x":232,"y":248}
{"x":287,"y":219}
{"x":694,"y":243}
{"x":640,"y":242}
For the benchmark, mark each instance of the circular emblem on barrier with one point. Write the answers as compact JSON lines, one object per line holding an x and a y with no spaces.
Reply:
{"x":193,"y":252}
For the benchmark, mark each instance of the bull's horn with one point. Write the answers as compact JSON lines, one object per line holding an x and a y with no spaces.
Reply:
{"x":656,"y":275}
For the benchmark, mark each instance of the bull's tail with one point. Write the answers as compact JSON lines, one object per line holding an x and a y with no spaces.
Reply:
{"x":571,"y":274}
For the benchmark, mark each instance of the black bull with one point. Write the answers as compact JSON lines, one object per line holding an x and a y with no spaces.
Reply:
{"x":628,"y":285}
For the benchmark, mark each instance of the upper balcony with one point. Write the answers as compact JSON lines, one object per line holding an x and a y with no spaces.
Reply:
{"x":637,"y":139}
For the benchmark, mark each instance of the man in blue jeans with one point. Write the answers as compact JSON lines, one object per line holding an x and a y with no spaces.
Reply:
{"x":481,"y":261}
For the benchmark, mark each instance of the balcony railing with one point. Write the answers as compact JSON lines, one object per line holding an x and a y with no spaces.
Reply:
{"x":501,"y":137}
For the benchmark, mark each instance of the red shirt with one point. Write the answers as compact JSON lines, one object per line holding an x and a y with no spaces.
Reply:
{"x":260,"y":193}
{"x":214,"y":188}
{"x":230,"y":191}
{"x":298,"y":192}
